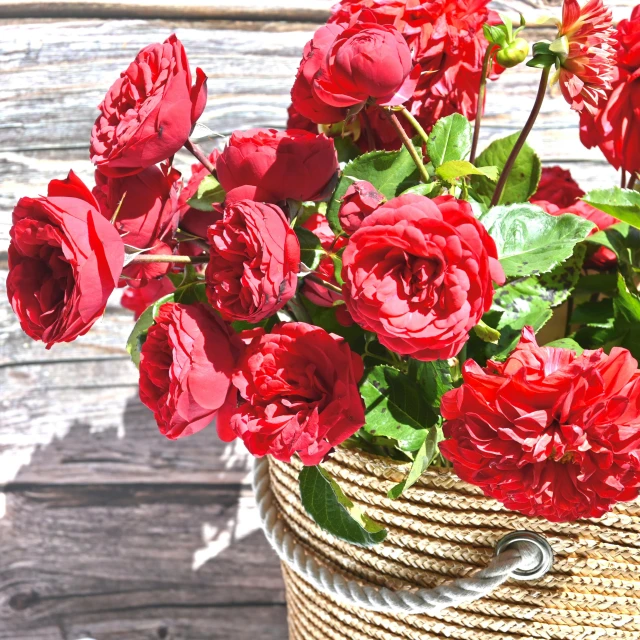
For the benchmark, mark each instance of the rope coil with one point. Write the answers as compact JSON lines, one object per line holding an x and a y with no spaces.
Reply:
{"x":523,"y":555}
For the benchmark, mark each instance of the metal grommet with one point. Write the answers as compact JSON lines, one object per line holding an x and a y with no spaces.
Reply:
{"x":543,"y":550}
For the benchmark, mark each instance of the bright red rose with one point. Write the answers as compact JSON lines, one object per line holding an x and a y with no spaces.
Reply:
{"x":615,"y":127}
{"x":548,"y":433}
{"x":557,"y":187}
{"x":295,"y":120}
{"x":300,"y":390}
{"x":254,"y":261}
{"x":64,"y":261}
{"x":366,"y":61}
{"x":149,"y":112}
{"x":137,"y":299}
{"x":319,"y":226}
{"x":418,"y":273}
{"x":271,"y":166}
{"x":139,"y":274}
{"x":360,"y":200}
{"x":186,"y":363}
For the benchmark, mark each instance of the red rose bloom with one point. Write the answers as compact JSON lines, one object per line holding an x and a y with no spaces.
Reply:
{"x":137,"y":299}
{"x":360,"y":200}
{"x":300,"y":390}
{"x":418,"y":273}
{"x":64,"y":261}
{"x":253,"y":263}
{"x":295,"y":120}
{"x":186,"y":364}
{"x":271,"y":166}
{"x":149,"y":111}
{"x":615,"y":127}
{"x":548,"y":433}
{"x":556,"y":187}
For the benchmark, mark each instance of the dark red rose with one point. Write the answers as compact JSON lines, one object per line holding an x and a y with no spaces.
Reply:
{"x":366,"y":61}
{"x":149,"y":112}
{"x":548,"y":433}
{"x":360,"y":200}
{"x":137,"y":299}
{"x":186,"y":364}
{"x":557,"y":187}
{"x":615,"y":126}
{"x":319,"y":226}
{"x":299,"y":385}
{"x":254,"y":262}
{"x":139,"y":274}
{"x":418,"y":273}
{"x":271,"y":166}
{"x":64,"y":261}
{"x":378,"y":132}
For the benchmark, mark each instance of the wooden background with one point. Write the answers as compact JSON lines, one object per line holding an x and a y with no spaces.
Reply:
{"x":107,"y":530}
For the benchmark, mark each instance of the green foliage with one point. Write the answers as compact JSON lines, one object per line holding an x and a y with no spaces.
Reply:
{"x":209,"y":192}
{"x":450,"y":139}
{"x":530,"y":241}
{"x":626,"y":307}
{"x":486,"y":333}
{"x":430,"y":189}
{"x":325,"y":317}
{"x":433,"y":378}
{"x":452,"y":170}
{"x":311,"y":251}
{"x":524,"y":177}
{"x":596,"y":313}
{"x":139,"y":333}
{"x":623,"y":204}
{"x":330,"y":508}
{"x":566,"y":343}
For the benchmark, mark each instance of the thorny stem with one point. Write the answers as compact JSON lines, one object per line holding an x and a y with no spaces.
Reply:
{"x":409,"y":146}
{"x":623,"y":178}
{"x":542,"y":89}
{"x":147,"y":258}
{"x":324,"y":283}
{"x":200,"y":155}
{"x":369,"y":132}
{"x":414,"y":123}
{"x":632,"y":181}
{"x":298,"y":310}
{"x":480,"y":109}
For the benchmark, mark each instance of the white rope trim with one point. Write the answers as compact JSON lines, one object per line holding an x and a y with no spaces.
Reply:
{"x":521,"y":556}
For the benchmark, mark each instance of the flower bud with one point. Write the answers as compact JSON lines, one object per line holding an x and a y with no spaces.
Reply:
{"x":361,"y":199}
{"x":513,"y":53}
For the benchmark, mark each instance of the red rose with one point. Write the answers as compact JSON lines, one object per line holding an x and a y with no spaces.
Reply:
{"x":381,"y":134}
{"x":557,"y":187}
{"x":149,"y":112}
{"x":64,"y":261}
{"x":548,"y":433}
{"x":186,"y":364}
{"x":360,"y":200}
{"x":198,"y":173}
{"x":139,"y":274}
{"x":295,"y":120}
{"x":254,"y":261}
{"x":300,"y":387}
{"x":418,"y":273}
{"x":271,"y":166}
{"x":137,"y":299}
{"x":615,"y":127}
{"x":367,"y":61}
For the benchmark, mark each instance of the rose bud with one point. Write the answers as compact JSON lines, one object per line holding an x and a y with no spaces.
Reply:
{"x":271,"y":166}
{"x":149,"y":111}
{"x":418,"y":273}
{"x":300,"y":390}
{"x":367,"y":61}
{"x":361,"y":199}
{"x":137,"y":299}
{"x":547,"y":432}
{"x":186,"y":364}
{"x":64,"y":261}
{"x":253,"y":263}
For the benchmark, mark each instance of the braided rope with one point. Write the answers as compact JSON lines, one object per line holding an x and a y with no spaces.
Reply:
{"x":521,"y":556}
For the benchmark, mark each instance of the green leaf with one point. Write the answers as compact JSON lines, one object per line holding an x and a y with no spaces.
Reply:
{"x":311,"y":251}
{"x":566,"y":343}
{"x":524,"y":177}
{"x":325,"y":317}
{"x":390,"y":172}
{"x":530,"y":241}
{"x":433,"y":378}
{"x":191,"y":293}
{"x":623,"y":204}
{"x":606,"y":283}
{"x":209,"y":192}
{"x":424,"y":457}
{"x":139,"y":333}
{"x":332,"y":511}
{"x":430,"y":189}
{"x":336,"y":258}
{"x":486,"y":333}
{"x":596,"y":313}
{"x":626,"y":307}
{"x":454,"y":169}
{"x":395,"y":407}
{"x":450,"y":139}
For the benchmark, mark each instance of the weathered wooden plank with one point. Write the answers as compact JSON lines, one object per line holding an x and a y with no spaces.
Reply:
{"x":148,"y":562}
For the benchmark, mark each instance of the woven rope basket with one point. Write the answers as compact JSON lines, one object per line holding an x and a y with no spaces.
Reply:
{"x":442,"y":529}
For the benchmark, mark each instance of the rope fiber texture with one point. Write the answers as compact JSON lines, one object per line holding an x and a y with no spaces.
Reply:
{"x":519,"y":556}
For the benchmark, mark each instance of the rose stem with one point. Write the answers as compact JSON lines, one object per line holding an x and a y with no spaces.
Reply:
{"x":200,"y":156}
{"x":632,"y":181}
{"x":324,"y":283}
{"x":147,"y":258}
{"x":542,"y":89}
{"x":367,"y":125}
{"x":623,"y":178}
{"x":414,"y":123}
{"x":409,"y":146}
{"x":480,"y":109}
{"x":298,"y":310}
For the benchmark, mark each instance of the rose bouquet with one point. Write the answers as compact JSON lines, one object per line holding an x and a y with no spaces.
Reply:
{"x":367,"y":279}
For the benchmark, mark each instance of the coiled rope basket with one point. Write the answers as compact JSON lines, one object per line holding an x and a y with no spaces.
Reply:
{"x":443,"y":529}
